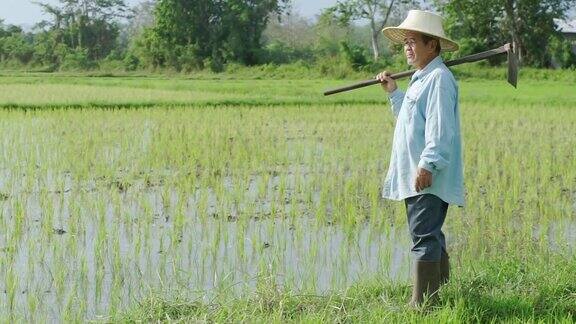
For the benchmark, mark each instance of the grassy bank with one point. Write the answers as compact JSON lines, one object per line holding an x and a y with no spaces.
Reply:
{"x":513,"y":289}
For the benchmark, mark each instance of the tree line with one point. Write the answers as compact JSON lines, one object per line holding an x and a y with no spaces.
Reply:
{"x":189,"y":35}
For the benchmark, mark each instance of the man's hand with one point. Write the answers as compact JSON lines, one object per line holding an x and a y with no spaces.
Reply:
{"x":423,"y":179}
{"x":387,"y":82}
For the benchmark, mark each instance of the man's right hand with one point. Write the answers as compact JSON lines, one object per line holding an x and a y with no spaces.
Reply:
{"x":387,"y":82}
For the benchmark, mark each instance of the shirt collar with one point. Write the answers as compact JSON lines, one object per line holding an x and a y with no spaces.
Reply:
{"x":427,"y":69}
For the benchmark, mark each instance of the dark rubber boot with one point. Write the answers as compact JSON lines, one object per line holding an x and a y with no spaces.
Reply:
{"x":444,"y":268}
{"x":426,"y":283}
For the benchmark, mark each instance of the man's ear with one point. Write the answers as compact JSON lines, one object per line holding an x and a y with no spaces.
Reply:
{"x":435,"y":43}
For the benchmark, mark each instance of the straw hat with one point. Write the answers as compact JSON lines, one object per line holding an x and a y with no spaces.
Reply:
{"x":423,"y":22}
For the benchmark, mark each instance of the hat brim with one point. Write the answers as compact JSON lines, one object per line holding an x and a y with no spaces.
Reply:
{"x":397,"y":36}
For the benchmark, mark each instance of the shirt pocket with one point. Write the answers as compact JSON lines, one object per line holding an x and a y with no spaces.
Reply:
{"x":411,"y":107}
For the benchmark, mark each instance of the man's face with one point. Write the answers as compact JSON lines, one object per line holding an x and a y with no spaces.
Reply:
{"x":417,"y":53}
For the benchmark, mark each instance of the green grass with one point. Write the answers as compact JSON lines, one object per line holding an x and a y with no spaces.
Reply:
{"x":118,"y":195}
{"x":499,"y":289}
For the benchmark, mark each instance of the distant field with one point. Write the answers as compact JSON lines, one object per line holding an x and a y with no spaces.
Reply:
{"x":40,"y":90}
{"x":132,"y":198}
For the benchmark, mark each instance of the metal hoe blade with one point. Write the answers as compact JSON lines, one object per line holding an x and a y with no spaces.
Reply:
{"x":512,"y":67}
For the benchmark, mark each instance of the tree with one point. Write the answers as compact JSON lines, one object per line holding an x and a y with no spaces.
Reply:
{"x":291,"y":29}
{"x":189,"y":33}
{"x":244,"y":22}
{"x":142,"y":18}
{"x":15,"y":45}
{"x":86,"y":25}
{"x":528,"y":24}
{"x":288,"y":38}
{"x":377,"y":12}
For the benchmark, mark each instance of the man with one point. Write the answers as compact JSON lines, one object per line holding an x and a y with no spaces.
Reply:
{"x":426,"y":164}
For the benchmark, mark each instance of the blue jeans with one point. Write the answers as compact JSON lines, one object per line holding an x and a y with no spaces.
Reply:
{"x":426,"y":214}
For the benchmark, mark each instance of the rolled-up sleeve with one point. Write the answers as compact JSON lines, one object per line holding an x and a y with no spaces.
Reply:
{"x":396,"y":99}
{"x":440,"y":124}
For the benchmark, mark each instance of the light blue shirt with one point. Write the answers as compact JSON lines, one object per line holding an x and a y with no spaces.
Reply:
{"x":427,"y":135}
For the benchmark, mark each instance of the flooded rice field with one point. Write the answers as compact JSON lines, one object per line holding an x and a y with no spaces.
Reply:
{"x":102,"y":206}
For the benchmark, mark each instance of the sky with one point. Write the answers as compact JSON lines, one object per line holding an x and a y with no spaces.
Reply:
{"x":25,"y":12}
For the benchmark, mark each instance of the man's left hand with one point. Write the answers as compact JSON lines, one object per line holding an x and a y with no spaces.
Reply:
{"x":423,"y":179}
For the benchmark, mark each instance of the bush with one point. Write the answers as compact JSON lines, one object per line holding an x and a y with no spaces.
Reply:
{"x":562,"y":53}
{"x":278,"y":52}
{"x":189,"y":58}
{"x":76,"y":60}
{"x":472,"y":45}
{"x":131,"y":62}
{"x":15,"y":47}
{"x":354,"y":54}
{"x":111,"y":65}
{"x":215,"y":63}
